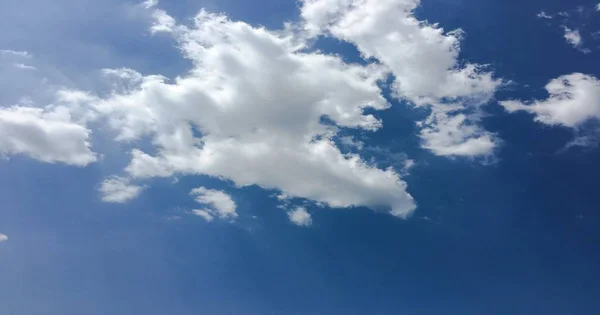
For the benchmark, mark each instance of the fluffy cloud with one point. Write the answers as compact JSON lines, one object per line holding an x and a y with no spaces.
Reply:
{"x":119,"y":190}
{"x":300,"y":217}
{"x":424,"y":61}
{"x":573,"y":37}
{"x":450,"y":135}
{"x":220,"y":204}
{"x":205,"y":214}
{"x":257,"y":109}
{"x":573,"y":99}
{"x":3,"y":238}
{"x":162,"y":21}
{"x":48,"y":135}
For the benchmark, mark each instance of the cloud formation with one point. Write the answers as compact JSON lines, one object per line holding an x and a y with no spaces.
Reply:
{"x":578,"y":27}
{"x":205,"y":214}
{"x":119,"y":190}
{"x":252,"y":110}
{"x":3,"y":238}
{"x":573,"y":37}
{"x":424,"y":61}
{"x":573,"y":100}
{"x":48,"y":135}
{"x":300,"y":217}
{"x":17,"y":53}
{"x":219,"y":204}
{"x":543,"y":15}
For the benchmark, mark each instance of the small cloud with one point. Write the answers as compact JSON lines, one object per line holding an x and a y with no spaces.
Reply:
{"x":543,"y":15}
{"x":205,"y":214}
{"x":220,"y":203}
{"x":3,"y":238}
{"x":283,"y":197}
{"x":300,"y":217}
{"x":350,"y":142}
{"x":173,"y":218}
{"x":598,"y":7}
{"x":24,"y":66}
{"x":118,"y":190}
{"x":17,"y":53}
{"x":574,"y":38}
{"x":149,"y":4}
{"x":408,"y":164}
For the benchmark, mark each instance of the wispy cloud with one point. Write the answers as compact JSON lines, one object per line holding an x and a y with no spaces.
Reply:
{"x":24,"y":66}
{"x":18,"y":53}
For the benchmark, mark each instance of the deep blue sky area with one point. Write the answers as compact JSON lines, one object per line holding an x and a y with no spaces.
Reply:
{"x":516,"y":234}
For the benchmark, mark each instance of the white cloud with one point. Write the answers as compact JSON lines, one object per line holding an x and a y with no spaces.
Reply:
{"x":575,"y":24}
{"x":423,"y":59}
{"x":408,"y":164}
{"x":350,"y":142}
{"x":300,"y":217}
{"x":598,"y":7}
{"x":573,"y":99}
{"x":452,"y":135}
{"x":118,"y":190}
{"x":48,"y":135}
{"x":251,"y":111}
{"x":162,"y":22}
{"x":205,"y":214}
{"x":16,"y":53}
{"x":24,"y":66}
{"x":572,"y":37}
{"x":3,"y":238}
{"x":149,"y":4}
{"x":220,"y":203}
{"x":543,"y":15}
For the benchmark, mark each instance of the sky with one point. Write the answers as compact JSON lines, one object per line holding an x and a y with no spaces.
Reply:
{"x":299,"y":157}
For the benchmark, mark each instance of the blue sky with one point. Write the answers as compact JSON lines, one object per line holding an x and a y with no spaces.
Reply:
{"x":360,"y":160}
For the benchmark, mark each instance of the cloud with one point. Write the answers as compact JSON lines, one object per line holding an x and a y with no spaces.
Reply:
{"x":300,"y":217}
{"x":543,"y":15}
{"x":149,"y":4}
{"x":251,"y":111}
{"x":118,"y":190}
{"x":162,"y":22}
{"x":24,"y":66}
{"x":578,"y":27}
{"x":574,"y":39}
{"x":573,"y":100}
{"x":16,"y":53}
{"x":48,"y":135}
{"x":424,"y":61}
{"x":452,"y":135}
{"x":205,"y":214}
{"x":220,"y":203}
{"x":598,"y":7}
{"x":408,"y":164}
{"x":3,"y":238}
